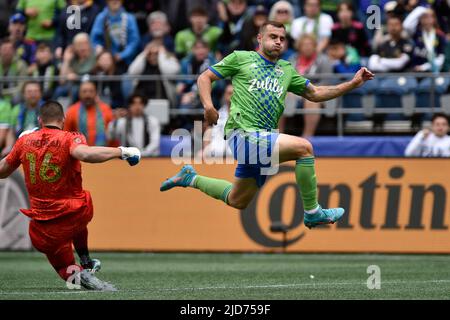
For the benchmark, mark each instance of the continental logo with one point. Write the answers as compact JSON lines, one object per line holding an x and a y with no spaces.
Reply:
{"x":381,"y":201}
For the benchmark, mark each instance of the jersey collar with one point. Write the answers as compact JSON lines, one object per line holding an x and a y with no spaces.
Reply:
{"x":267,"y":61}
{"x":52,"y":127}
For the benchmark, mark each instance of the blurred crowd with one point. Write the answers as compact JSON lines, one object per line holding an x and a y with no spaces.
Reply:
{"x":42,"y":38}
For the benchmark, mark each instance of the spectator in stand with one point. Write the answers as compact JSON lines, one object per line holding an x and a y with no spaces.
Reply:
{"x":429,"y":45}
{"x":24,"y":116}
{"x":25,"y":48}
{"x":5,"y":123}
{"x":433,"y":142}
{"x":116,"y":30}
{"x":350,"y":31}
{"x":184,"y":39}
{"x":65,"y":35}
{"x":314,"y":22}
{"x":233,"y":14}
{"x":42,"y":18}
{"x":251,"y":29}
{"x":158,"y":30}
{"x":10,"y":66}
{"x":214,"y":144}
{"x":155,"y":60}
{"x":194,"y":64}
{"x":90,"y":116}
{"x":345,"y":59}
{"x":394,"y":53}
{"x":309,"y":62}
{"x":45,"y":67}
{"x":79,"y":59}
{"x":282,"y":12}
{"x":411,"y":11}
{"x":109,"y":91}
{"x":137,"y":129}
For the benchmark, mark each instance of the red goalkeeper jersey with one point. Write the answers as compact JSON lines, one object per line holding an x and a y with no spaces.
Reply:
{"x":52,"y":175}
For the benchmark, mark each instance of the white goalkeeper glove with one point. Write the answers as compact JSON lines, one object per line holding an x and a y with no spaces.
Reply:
{"x":131,"y":154}
{"x":24,"y":133}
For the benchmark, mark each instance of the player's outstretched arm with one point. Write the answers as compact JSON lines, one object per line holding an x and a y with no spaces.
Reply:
{"x":204,"y":84}
{"x":102,"y":154}
{"x":324,"y":93}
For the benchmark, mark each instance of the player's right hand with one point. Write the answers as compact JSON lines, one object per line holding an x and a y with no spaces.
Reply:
{"x":131,"y":154}
{"x":211,"y":116}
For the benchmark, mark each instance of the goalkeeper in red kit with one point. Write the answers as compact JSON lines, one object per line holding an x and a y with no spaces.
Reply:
{"x":60,"y":208}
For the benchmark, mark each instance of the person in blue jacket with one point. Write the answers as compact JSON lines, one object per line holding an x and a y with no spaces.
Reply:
{"x":116,"y":30}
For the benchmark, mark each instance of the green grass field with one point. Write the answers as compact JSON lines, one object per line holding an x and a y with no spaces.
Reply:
{"x":27,"y":275}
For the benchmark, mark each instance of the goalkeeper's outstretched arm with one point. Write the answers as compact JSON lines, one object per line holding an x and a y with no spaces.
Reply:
{"x":102,"y":154}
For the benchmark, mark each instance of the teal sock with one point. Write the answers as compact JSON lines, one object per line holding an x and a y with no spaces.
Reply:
{"x":305,"y":175}
{"x":215,"y":188}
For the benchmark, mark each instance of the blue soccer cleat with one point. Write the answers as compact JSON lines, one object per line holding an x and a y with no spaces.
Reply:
{"x":323,"y":216}
{"x":181,"y":179}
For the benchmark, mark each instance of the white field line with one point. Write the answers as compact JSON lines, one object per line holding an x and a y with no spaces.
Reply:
{"x":269,"y":286}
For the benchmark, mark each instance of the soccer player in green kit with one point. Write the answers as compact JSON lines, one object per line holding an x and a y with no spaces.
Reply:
{"x":260,"y":81}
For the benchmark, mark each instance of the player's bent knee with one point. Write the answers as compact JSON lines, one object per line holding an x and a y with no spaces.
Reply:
{"x":304,"y":148}
{"x":238,"y":203}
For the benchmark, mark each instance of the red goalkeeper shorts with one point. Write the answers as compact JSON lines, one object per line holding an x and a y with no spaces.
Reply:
{"x":54,"y":237}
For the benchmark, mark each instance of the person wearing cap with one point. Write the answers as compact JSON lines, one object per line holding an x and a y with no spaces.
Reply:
{"x":42,"y":17}
{"x":65,"y":34}
{"x":184,"y":39}
{"x":25,"y":48}
{"x":158,"y":30}
{"x":251,"y":28}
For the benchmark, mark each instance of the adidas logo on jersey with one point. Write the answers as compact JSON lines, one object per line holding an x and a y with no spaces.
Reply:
{"x":268,"y":84}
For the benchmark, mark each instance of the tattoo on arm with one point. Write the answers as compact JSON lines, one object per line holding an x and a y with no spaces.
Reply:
{"x":325,"y":93}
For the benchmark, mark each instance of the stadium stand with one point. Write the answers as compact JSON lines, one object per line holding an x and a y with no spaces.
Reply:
{"x":399,"y":103}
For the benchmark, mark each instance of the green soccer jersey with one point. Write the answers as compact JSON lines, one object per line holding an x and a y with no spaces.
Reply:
{"x":46,"y":11}
{"x":260,"y":87}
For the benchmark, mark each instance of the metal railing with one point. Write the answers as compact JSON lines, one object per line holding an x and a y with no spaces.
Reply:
{"x":335,"y":108}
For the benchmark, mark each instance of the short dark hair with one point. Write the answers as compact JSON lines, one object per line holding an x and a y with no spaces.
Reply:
{"x":347,"y":3}
{"x":439,"y":115}
{"x":137,"y":95}
{"x":84,"y":81}
{"x":43,"y":46}
{"x":393,"y":17}
{"x":198,"y":11}
{"x":51,"y":111}
{"x":271,"y":23}
{"x":200,"y":41}
{"x":27,"y":83}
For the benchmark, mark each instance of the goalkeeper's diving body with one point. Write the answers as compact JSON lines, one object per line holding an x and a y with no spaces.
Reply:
{"x":260,"y":81}
{"x":60,"y":208}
